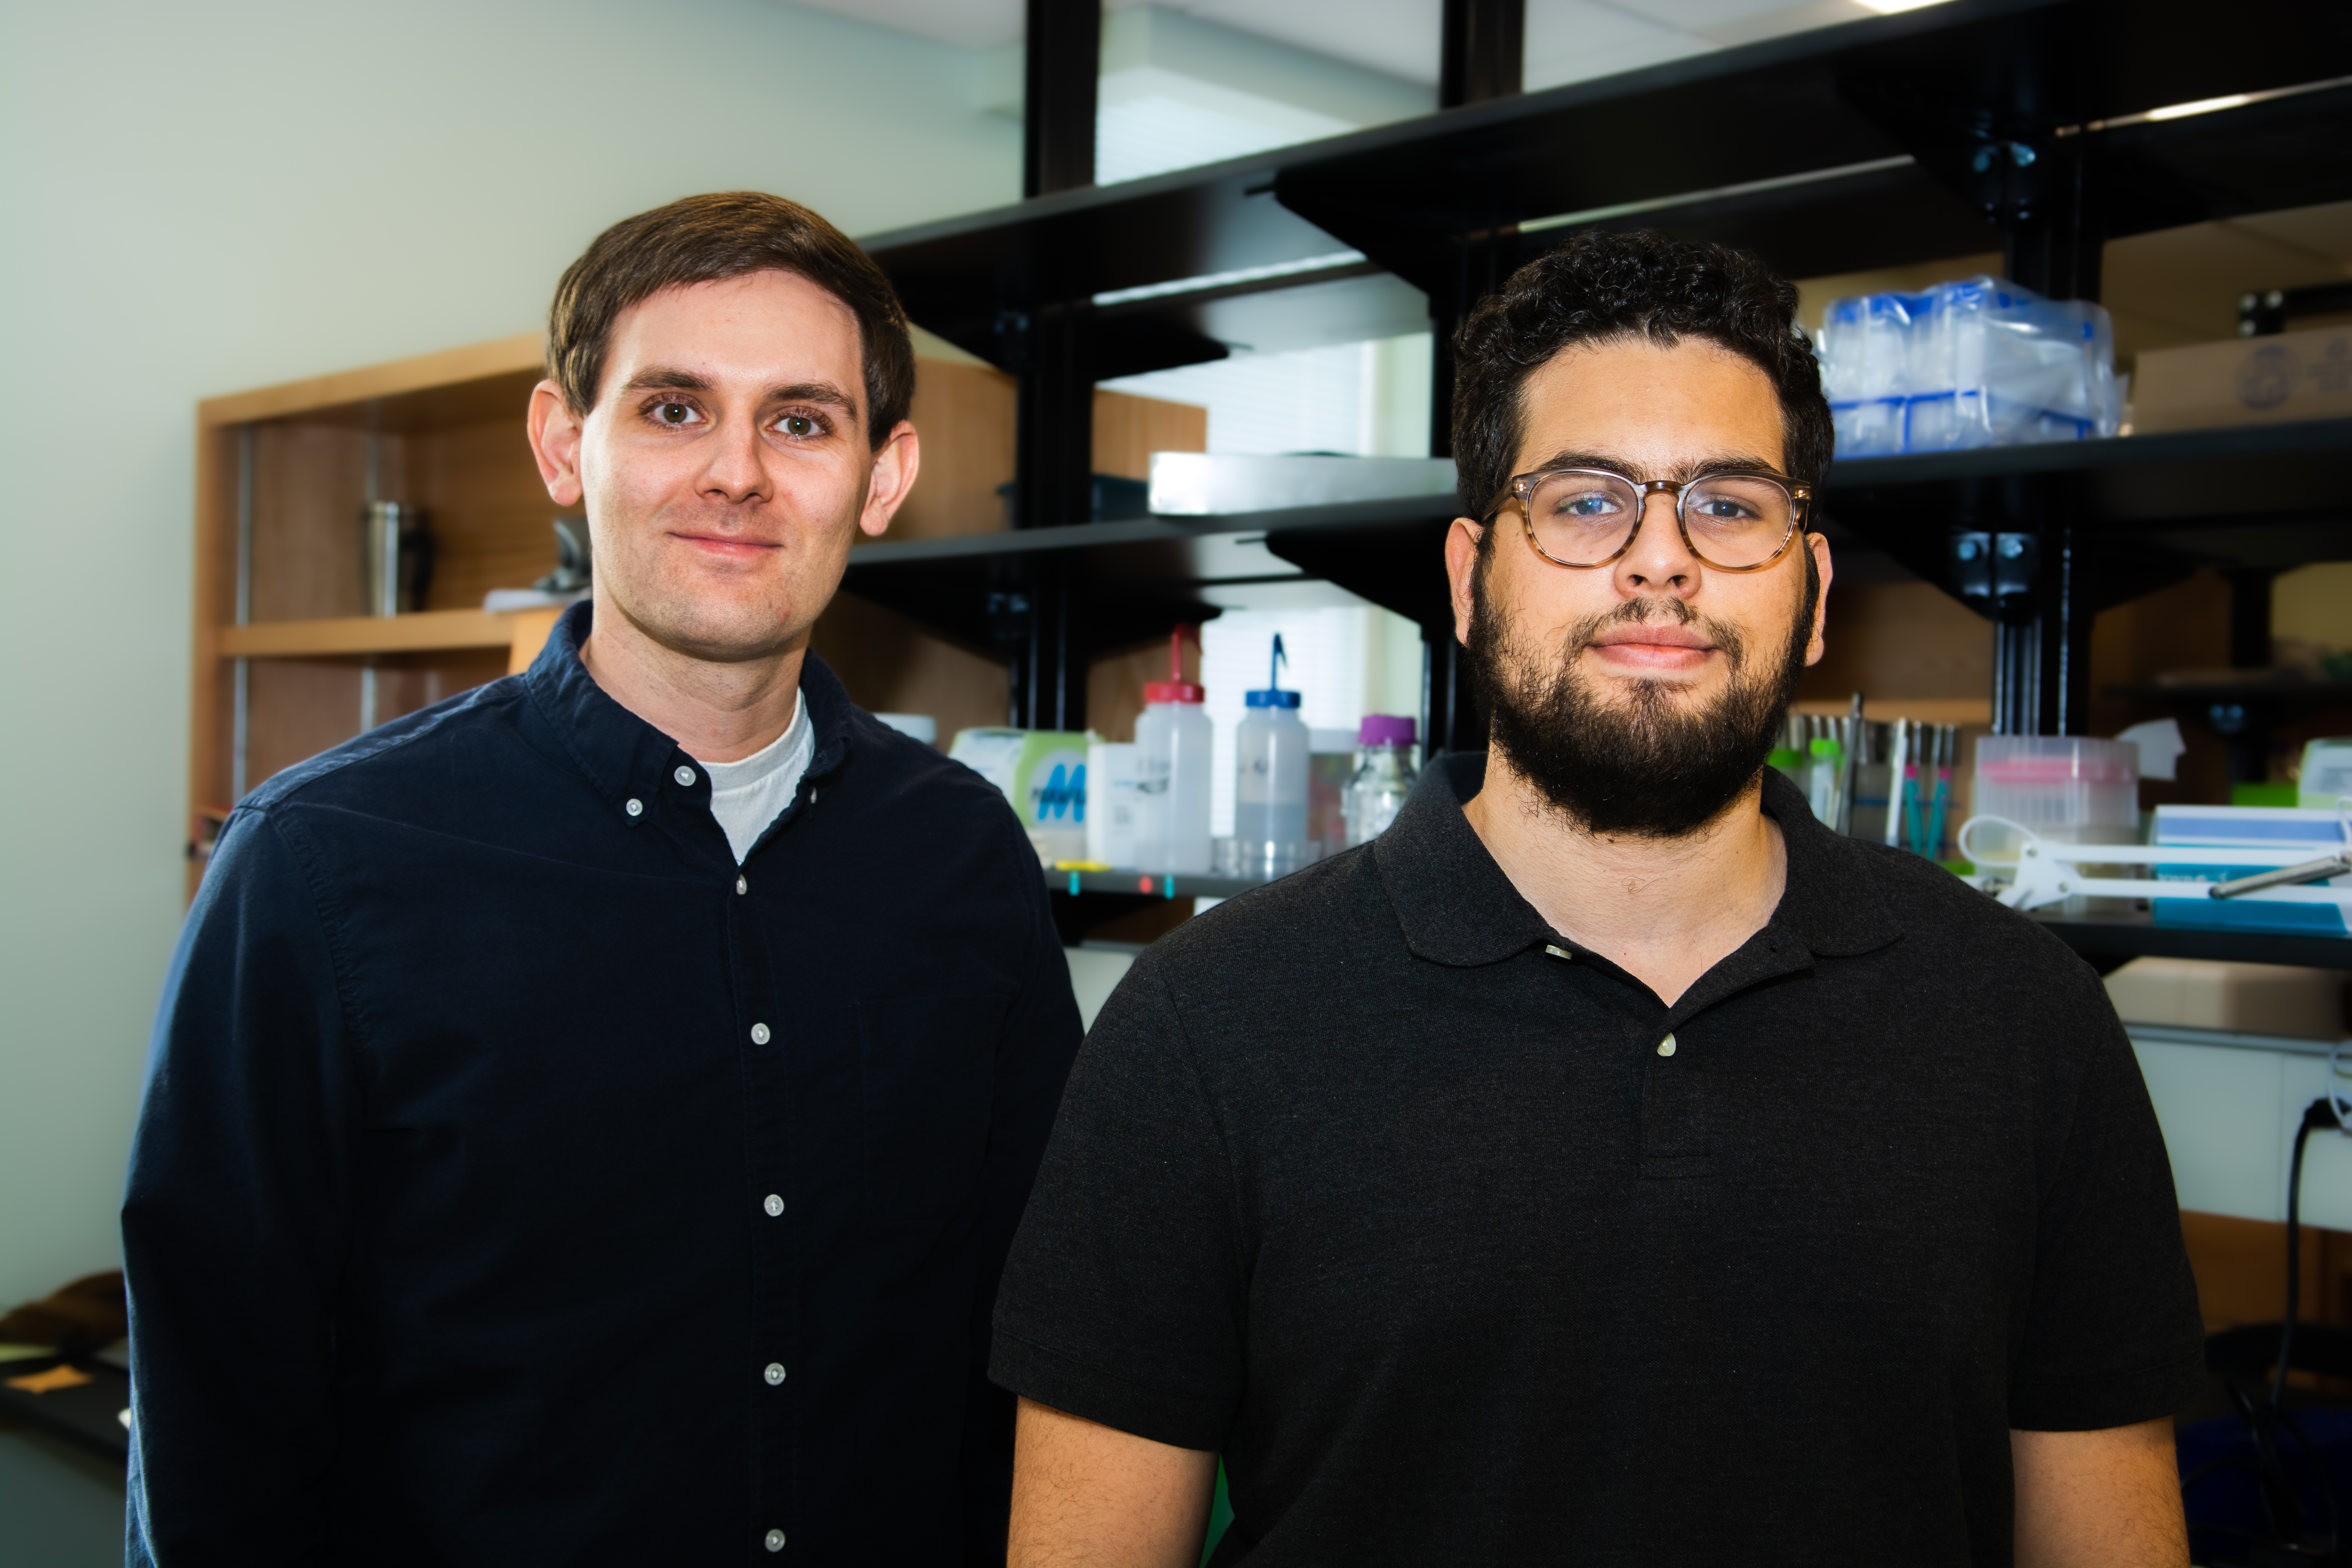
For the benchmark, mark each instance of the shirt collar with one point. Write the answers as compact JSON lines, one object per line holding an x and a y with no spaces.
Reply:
{"x":625,"y":758}
{"x":1458,"y":907}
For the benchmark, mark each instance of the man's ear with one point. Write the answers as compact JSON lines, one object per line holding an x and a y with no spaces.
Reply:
{"x":896,"y":463}
{"x":1461,"y":571}
{"x":1821,"y":549}
{"x":555,"y":442}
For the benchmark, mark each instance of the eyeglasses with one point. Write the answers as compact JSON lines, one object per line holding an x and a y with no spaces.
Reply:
{"x":1589,"y":517}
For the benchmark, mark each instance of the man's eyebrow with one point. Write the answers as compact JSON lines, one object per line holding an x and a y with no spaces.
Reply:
{"x":813,"y":392}
{"x":662,"y":378}
{"x":1681,"y":473}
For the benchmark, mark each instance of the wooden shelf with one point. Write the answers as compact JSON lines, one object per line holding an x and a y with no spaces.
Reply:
{"x":345,"y":637}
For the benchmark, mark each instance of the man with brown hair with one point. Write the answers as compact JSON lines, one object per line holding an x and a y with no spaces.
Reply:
{"x":587,"y":1117}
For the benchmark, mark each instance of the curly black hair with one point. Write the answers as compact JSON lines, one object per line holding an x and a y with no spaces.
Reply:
{"x":1601,"y":285}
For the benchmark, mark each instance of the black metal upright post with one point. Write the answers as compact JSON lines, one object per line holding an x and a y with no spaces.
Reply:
{"x":1051,"y":349}
{"x":1481,"y":56}
{"x":2042,"y":641}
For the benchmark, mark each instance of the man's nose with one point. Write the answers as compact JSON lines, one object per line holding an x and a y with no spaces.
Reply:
{"x":734,"y":469}
{"x":1659,"y":561}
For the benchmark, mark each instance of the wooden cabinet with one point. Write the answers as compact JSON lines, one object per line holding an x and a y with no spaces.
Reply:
{"x":285,"y":663}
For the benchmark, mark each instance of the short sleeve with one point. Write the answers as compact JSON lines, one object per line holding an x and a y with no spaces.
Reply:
{"x":1123,"y":1302}
{"x":2112,"y":1334}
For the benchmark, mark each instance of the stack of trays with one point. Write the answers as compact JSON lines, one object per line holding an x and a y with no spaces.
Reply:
{"x":2297,"y":836}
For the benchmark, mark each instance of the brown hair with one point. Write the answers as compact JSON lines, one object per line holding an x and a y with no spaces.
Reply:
{"x":703,"y":239}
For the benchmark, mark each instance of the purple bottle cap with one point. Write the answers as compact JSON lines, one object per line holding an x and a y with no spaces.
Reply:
{"x":1385,"y":730}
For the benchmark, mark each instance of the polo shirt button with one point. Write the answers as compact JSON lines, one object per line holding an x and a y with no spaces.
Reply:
{"x":1666,"y":1046}
{"x":759,"y":1033}
{"x":775,"y":1541}
{"x":635,"y":806}
{"x":684,"y":775}
{"x":742,"y":884}
{"x":774,"y":1206}
{"x":775,"y":1373}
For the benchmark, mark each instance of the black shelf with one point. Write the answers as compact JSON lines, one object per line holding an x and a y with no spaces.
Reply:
{"x":2118,"y":937}
{"x":2157,"y":507}
{"x":1857,"y":146}
{"x":2146,"y":510}
{"x":1833,"y":150}
{"x":1147,"y":885}
{"x":1124,"y":582}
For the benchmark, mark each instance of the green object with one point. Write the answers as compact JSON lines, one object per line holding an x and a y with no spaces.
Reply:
{"x":1221,"y":1514}
{"x":2263,"y":794}
{"x":1785,"y":757}
{"x":1825,"y":746}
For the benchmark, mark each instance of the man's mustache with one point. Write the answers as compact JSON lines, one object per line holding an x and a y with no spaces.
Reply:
{"x":1656,"y":608}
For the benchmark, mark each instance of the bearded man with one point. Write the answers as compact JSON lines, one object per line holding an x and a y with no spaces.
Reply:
{"x":1610,"y":1163}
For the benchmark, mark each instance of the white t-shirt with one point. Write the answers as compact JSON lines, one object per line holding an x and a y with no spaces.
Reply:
{"x":746,"y":796}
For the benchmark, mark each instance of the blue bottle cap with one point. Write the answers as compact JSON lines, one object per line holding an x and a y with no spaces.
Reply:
{"x":1273,"y":696}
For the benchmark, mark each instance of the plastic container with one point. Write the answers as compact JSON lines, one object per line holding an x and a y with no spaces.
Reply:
{"x":1384,"y":775}
{"x":1271,"y":746}
{"x":1111,"y":803}
{"x":2068,"y":788}
{"x":1172,"y":742}
{"x":1978,"y":362}
{"x":2326,"y":774}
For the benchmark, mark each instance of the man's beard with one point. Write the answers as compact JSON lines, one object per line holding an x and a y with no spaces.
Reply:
{"x":1644,"y":767}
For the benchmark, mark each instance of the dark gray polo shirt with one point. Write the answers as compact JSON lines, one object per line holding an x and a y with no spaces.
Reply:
{"x":1373,"y":1183}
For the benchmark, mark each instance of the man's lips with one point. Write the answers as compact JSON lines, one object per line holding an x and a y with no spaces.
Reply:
{"x":728,"y":546}
{"x":1661,"y":648}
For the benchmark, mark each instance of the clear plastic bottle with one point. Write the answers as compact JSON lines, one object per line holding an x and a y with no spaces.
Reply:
{"x":1270,"y":758}
{"x":1384,"y":775}
{"x":1172,"y":742}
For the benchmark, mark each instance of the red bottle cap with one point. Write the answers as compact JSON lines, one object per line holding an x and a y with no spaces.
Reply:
{"x":1175,"y":688}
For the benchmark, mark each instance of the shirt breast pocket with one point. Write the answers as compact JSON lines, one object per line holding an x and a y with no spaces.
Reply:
{"x":927,"y":1068}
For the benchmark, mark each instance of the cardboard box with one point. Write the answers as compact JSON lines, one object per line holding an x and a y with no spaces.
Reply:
{"x":2245,"y":380}
{"x":2244,"y":998}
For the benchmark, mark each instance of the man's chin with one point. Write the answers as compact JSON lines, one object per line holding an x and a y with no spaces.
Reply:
{"x":714,"y":633}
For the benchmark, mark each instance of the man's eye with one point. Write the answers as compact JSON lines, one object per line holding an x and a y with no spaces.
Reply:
{"x":674,"y":413}
{"x":797,"y":425}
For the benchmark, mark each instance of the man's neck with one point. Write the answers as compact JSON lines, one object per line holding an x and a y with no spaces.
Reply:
{"x":719,"y":712}
{"x":1664,"y":910}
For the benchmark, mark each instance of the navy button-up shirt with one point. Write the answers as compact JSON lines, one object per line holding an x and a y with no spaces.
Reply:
{"x":520,"y":1180}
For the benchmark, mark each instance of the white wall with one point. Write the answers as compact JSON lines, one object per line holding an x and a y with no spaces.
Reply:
{"x":195,"y":199}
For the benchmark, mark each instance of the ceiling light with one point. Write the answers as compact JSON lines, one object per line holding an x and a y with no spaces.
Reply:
{"x":2202,"y":106}
{"x":1888,"y":7}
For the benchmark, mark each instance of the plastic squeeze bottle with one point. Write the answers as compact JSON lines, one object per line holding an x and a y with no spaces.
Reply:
{"x":1270,"y":753}
{"x":1383,"y":777}
{"x":1173,"y":740}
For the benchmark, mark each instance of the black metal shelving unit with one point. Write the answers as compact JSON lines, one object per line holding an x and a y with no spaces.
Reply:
{"x":2015,"y":125}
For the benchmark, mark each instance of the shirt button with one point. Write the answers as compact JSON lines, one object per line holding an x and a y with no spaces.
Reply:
{"x":684,"y":775}
{"x":759,"y":1033}
{"x":635,"y":806}
{"x":1666,"y":1046}
{"x":775,"y":1373}
{"x":776,"y":1541}
{"x":774,"y":1206}
{"x":742,"y":884}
